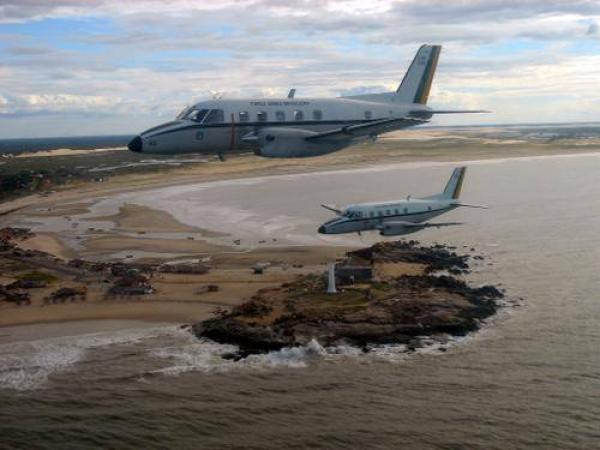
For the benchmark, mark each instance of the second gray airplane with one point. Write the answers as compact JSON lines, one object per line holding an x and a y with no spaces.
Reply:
{"x":395,"y":218}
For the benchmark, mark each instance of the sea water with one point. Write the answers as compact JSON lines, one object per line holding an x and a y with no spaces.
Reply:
{"x":529,"y":379}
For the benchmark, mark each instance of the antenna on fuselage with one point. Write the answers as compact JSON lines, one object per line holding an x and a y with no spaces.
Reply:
{"x":216,"y":95}
{"x":291,"y":93}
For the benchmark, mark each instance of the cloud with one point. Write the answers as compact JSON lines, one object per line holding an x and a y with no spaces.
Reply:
{"x":12,"y":11}
{"x":361,"y":90}
{"x":53,"y":103}
{"x":28,"y":51}
{"x":145,"y":60}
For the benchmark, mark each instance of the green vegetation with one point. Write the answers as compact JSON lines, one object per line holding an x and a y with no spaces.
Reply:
{"x":36,"y":275}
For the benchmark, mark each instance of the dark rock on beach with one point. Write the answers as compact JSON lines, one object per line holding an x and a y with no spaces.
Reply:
{"x":377,"y":311}
{"x":436,"y":257}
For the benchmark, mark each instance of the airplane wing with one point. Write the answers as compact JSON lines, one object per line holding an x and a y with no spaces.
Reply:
{"x":332,"y":208}
{"x":365,"y":129}
{"x":421,"y":225}
{"x":461,"y":111}
{"x":427,"y":114}
{"x":468,"y":205}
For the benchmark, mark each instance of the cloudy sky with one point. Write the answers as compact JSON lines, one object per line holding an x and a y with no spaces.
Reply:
{"x":78,"y":67}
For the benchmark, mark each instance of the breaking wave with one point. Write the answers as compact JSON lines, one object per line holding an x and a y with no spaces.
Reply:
{"x":28,"y":365}
{"x":208,"y":356}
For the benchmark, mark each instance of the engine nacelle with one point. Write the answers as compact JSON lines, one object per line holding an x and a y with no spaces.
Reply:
{"x":391,"y":229}
{"x":290,"y":143}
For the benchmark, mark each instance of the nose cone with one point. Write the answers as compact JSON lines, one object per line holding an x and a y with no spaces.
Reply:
{"x":322,"y":230}
{"x":135,"y":145}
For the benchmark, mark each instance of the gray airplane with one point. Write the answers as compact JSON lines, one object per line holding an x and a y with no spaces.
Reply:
{"x":395,"y":218}
{"x":291,"y":127}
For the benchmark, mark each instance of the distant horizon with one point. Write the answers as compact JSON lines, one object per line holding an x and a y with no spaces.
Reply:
{"x":420,"y":127}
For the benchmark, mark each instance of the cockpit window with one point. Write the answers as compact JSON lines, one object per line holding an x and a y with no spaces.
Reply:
{"x":352,"y":213}
{"x":194,"y":114}
{"x":183,"y":113}
{"x":214,"y":116}
{"x":200,"y":115}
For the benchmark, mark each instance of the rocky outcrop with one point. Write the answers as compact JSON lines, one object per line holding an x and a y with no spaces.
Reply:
{"x":436,"y":257}
{"x":64,"y":294}
{"x":381,"y":311}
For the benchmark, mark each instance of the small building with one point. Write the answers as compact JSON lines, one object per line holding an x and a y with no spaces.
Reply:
{"x":350,"y":274}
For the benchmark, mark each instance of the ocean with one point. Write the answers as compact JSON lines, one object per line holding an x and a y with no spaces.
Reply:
{"x":25,"y":145}
{"x":529,"y":379}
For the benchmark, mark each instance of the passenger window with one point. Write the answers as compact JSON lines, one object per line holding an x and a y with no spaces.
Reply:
{"x":371,"y":214}
{"x":244,"y":116}
{"x":261,"y":116}
{"x":396,"y":211}
{"x":429,"y":208}
{"x":298,"y":115}
{"x":368,"y":115}
{"x":388,"y":212}
{"x":280,"y":116}
{"x":317,"y":114}
{"x":380,"y":213}
{"x":405,"y":210}
{"x":214,"y":116}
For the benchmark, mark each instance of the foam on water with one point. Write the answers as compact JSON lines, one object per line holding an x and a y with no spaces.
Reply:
{"x":207,"y":356}
{"x":28,"y":365}
{"x":193,"y":355}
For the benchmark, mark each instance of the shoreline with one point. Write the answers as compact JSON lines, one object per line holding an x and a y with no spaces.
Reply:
{"x":244,"y":166}
{"x":31,"y":332}
{"x":234,"y":263}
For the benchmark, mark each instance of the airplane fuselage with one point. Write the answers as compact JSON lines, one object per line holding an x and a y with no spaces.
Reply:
{"x":374,"y":216}
{"x":291,"y":127}
{"x":223,"y":125}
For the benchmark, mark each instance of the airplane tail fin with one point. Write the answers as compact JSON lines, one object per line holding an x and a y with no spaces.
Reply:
{"x":416,"y":84}
{"x":454,"y":185}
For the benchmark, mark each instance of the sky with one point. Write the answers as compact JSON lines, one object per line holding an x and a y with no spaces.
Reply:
{"x":95,"y":67}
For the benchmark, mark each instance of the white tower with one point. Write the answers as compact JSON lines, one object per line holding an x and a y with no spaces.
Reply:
{"x":331,"y":280}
